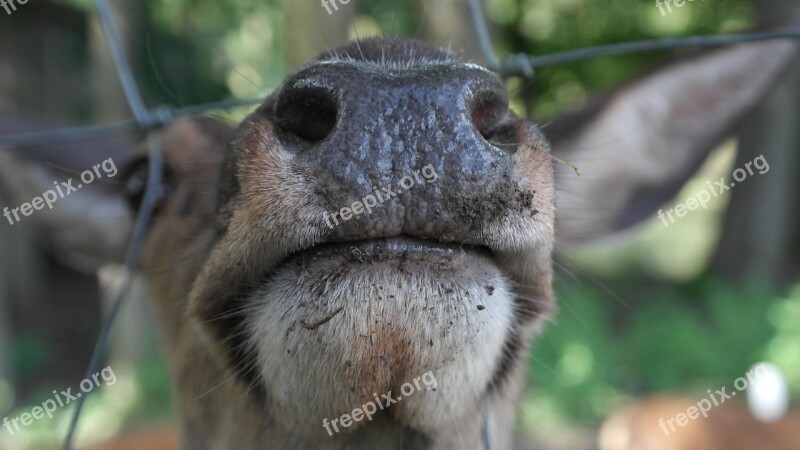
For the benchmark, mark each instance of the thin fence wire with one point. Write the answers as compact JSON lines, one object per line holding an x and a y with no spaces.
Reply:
{"x":524,"y":65}
{"x":156,"y":118}
{"x":147,"y":120}
{"x":521,"y":65}
{"x":143,"y":117}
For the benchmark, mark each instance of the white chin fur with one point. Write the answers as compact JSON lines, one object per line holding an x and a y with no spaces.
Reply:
{"x":400,"y":318}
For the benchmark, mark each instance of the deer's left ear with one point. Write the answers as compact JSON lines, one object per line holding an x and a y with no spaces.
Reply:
{"x":66,"y":195}
{"x":638,"y":145}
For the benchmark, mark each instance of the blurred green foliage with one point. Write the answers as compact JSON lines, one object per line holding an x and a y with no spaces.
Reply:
{"x":29,"y":354}
{"x":549,"y":26}
{"x":604,"y":348}
{"x":195,"y":51}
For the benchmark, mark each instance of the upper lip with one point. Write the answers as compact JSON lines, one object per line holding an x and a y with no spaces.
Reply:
{"x":389,"y":247}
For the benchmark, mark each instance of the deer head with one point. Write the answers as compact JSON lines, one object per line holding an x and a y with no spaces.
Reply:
{"x":384,"y":218}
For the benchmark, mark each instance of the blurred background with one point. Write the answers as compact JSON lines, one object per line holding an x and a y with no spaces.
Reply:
{"x":676,"y":309}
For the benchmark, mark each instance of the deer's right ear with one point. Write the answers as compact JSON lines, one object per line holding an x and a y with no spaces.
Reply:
{"x":637,"y":146}
{"x":89,"y":191}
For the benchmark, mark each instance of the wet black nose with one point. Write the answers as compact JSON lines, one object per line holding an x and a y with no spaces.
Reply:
{"x":358,"y":128}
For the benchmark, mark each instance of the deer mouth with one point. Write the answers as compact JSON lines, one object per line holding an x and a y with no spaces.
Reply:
{"x":386,"y":248}
{"x":328,"y":308}
{"x":346,"y":320}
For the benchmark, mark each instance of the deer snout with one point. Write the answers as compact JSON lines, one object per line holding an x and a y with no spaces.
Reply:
{"x":402,"y":152}
{"x":338,"y":268}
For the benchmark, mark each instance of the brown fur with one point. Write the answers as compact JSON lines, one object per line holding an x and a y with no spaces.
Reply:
{"x":267,"y":208}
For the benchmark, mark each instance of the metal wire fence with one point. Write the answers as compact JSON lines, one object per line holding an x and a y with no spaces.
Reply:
{"x":149,"y":119}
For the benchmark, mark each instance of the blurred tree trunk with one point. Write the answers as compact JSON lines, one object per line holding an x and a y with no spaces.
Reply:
{"x":43,"y":62}
{"x":444,"y":23}
{"x":448,"y":24}
{"x":309,"y":29}
{"x":760,"y":230}
{"x":23,"y":297}
{"x":6,"y":367}
{"x":16,"y":263}
{"x":43,"y":74}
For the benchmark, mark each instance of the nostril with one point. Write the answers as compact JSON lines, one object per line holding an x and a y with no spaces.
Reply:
{"x":488,"y":110}
{"x":307,"y":112}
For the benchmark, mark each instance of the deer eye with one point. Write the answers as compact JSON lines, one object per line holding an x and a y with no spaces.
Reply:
{"x":134,"y":178}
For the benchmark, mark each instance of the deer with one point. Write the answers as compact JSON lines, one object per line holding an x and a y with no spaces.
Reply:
{"x":272,"y":322}
{"x":732,"y":427}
